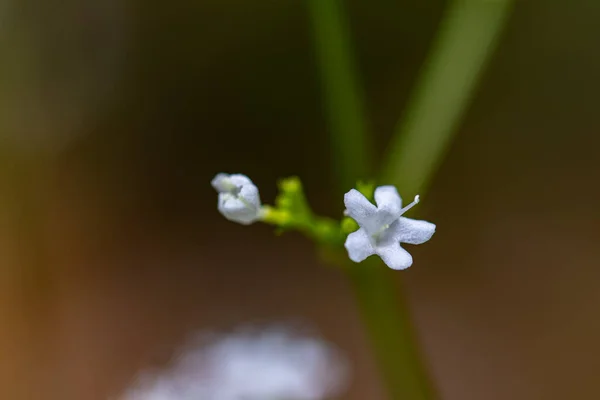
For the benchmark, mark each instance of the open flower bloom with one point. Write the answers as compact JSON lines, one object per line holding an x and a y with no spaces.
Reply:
{"x":258,"y":365}
{"x":383,"y":228}
{"x":239,"y":200}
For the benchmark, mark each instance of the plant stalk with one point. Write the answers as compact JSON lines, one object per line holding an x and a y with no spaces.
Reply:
{"x":467,"y":37}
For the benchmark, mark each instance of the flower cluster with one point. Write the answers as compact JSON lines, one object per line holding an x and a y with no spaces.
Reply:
{"x":382,"y":227}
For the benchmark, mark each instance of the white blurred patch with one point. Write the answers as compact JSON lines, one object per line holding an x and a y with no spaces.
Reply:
{"x":269,"y":364}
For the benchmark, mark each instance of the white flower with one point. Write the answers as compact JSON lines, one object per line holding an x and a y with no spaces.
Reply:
{"x":239,"y":200}
{"x":260,"y":365}
{"x":382,"y":228}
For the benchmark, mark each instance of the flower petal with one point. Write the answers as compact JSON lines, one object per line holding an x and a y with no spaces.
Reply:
{"x":359,"y":246}
{"x":249,"y":194}
{"x":359,"y":208}
{"x":387,"y":197}
{"x":240,"y":180}
{"x":394,"y":256}
{"x":230,"y":183}
{"x":389,"y":205}
{"x":221,"y":183}
{"x":413,"y":231}
{"x":236,"y":210}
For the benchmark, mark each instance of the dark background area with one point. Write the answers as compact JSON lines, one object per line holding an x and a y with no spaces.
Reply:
{"x":116,"y":115}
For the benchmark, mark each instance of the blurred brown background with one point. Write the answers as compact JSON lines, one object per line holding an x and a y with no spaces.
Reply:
{"x":115,"y":116}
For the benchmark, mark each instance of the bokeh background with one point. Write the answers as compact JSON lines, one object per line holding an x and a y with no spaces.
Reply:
{"x":115,"y":115}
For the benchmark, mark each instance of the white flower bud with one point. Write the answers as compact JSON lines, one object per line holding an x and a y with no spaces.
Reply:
{"x":239,"y":200}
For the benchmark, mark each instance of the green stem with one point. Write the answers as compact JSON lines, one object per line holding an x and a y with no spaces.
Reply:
{"x":384,"y":316}
{"x":388,"y":323}
{"x":467,"y":38}
{"x":351,"y":147}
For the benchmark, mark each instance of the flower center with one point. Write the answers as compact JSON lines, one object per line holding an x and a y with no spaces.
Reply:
{"x":235,"y":192}
{"x":377,"y":236}
{"x":231,"y":187}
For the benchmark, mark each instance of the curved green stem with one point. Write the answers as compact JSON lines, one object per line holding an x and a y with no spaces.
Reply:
{"x":467,"y":38}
